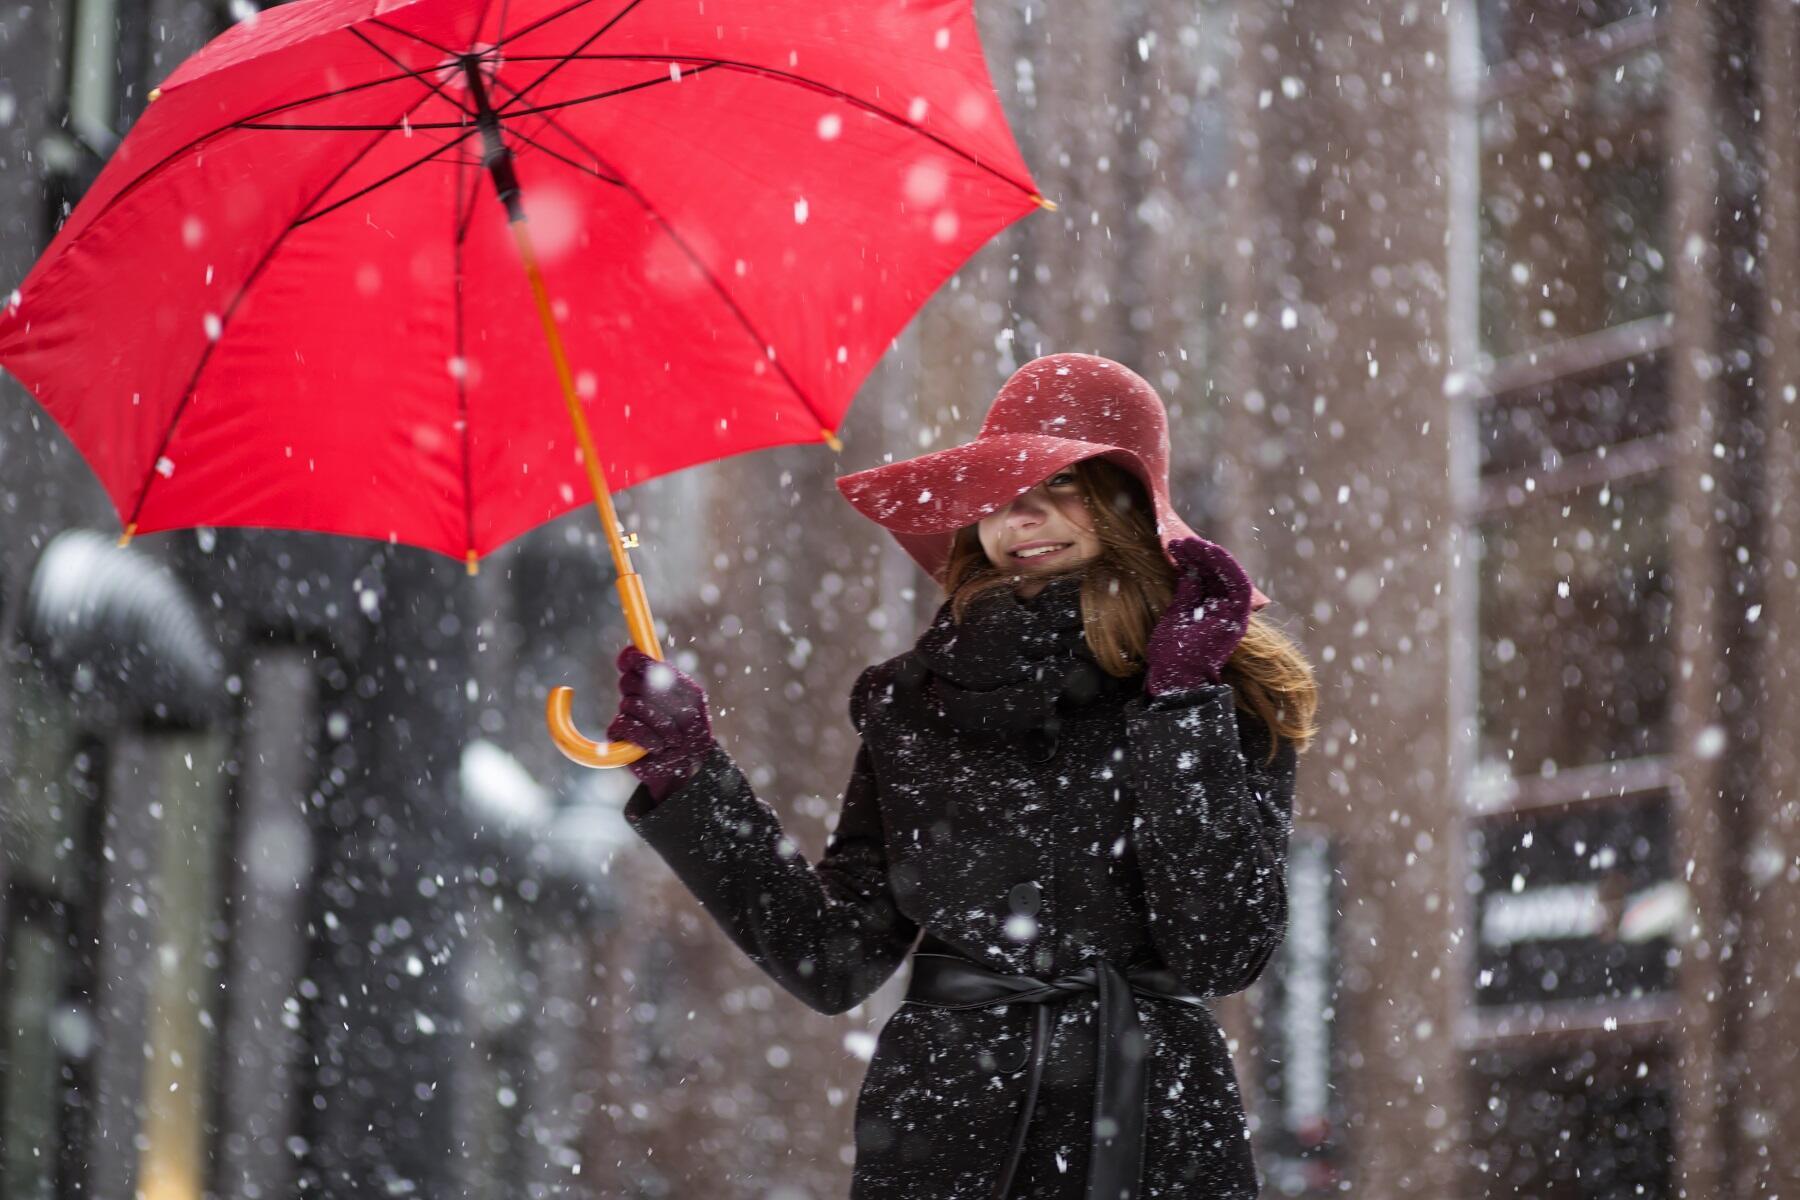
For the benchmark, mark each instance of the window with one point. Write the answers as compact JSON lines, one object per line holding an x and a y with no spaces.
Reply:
{"x":1576,"y":661}
{"x":1574,"y":598}
{"x":1572,"y":227}
{"x":1522,"y":30}
{"x":1572,"y":874}
{"x":1539,"y":428}
{"x":1589,"y":1120}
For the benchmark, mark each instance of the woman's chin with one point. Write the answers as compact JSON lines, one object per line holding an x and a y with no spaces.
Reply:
{"x":1028,"y":577}
{"x":1030,"y":580}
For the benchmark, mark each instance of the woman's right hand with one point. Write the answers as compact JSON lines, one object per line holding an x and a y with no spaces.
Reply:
{"x":663,"y":710}
{"x":1204,"y":621}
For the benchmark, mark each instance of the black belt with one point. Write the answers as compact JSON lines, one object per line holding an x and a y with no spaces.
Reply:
{"x":952,"y":981}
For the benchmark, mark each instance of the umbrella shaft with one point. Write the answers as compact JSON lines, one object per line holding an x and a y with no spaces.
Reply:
{"x":590,"y":460}
{"x":494,"y":154}
{"x":498,"y":161}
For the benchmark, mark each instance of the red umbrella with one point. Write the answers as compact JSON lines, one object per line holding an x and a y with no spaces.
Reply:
{"x":303,"y":295}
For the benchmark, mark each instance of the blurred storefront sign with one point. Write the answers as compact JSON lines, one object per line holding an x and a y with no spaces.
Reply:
{"x":1576,"y":904}
{"x":1299,"y":1071}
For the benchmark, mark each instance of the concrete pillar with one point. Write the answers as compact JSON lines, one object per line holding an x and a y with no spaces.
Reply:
{"x":1769,"y":1098}
{"x":1337,"y":488}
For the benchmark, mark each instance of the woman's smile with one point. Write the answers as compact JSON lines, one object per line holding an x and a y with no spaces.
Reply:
{"x":1046,"y":528}
{"x":1032,"y":551}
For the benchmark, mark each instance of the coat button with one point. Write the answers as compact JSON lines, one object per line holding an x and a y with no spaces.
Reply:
{"x":1005,"y":1057}
{"x":1082,"y":683}
{"x":1024,"y":898}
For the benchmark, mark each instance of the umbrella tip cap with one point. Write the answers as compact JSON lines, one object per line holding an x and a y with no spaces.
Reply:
{"x":130,"y":532}
{"x":1046,"y":205}
{"x":831,"y":439}
{"x":155,"y":95}
{"x":472,"y":562}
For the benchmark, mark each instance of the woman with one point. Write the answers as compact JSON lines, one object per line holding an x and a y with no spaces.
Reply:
{"x":1076,"y":787}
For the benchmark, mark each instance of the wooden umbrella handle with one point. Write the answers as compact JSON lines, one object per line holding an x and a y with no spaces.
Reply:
{"x":559,"y":705}
{"x":559,"y":708}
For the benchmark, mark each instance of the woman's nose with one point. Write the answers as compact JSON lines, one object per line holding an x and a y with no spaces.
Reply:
{"x":1027,"y":509}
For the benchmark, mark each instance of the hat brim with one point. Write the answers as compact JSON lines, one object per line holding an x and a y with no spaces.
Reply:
{"x":923,"y":501}
{"x":943,"y":491}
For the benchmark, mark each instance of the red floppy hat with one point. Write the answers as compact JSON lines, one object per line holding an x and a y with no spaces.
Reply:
{"x":1054,"y":411}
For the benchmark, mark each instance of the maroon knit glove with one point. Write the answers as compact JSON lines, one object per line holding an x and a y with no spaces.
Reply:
{"x":1209,"y":613}
{"x":663,"y":710}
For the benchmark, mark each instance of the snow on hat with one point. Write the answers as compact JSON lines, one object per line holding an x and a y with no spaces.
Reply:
{"x":1052,"y":412}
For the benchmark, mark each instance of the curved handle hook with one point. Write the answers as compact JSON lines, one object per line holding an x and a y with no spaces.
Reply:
{"x":559,"y":708}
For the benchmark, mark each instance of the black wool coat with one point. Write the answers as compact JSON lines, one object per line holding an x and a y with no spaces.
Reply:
{"x":1129,"y":828}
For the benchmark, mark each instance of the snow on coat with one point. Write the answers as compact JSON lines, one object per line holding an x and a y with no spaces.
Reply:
{"x":1124,"y":827}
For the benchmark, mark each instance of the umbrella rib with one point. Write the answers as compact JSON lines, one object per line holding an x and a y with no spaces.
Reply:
{"x":255,"y":121}
{"x":563,"y":60}
{"x":773,"y":73}
{"x":237,"y":298}
{"x":309,"y":218}
{"x":417,"y":37}
{"x":523,"y":112}
{"x":458,"y":228}
{"x":264,"y":127}
{"x":500,"y":82}
{"x":436,"y":85}
{"x":420,"y":38}
{"x":462,"y":383}
{"x":364,"y":86}
{"x":242,"y":123}
{"x":557,"y":105}
{"x":468,"y":211}
{"x":713,"y":280}
{"x":550,"y":122}
{"x":591,"y":172}
{"x":544,"y":20}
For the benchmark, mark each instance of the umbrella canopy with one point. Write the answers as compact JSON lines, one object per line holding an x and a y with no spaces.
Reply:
{"x":291,"y":299}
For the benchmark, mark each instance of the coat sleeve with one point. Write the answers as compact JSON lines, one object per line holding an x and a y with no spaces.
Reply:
{"x":829,"y":933}
{"x":1212,"y":834}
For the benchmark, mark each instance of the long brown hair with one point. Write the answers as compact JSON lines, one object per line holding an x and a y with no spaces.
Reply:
{"x":1125,"y":589}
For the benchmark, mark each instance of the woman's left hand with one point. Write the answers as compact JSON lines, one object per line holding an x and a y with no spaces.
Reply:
{"x":1204,"y":621}
{"x":663,"y":710}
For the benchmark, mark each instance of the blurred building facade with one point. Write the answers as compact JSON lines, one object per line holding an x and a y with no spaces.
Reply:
{"x":1511,"y":378}
{"x":282,"y":912}
{"x":1475,"y":322}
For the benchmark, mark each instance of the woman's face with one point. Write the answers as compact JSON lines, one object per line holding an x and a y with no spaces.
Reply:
{"x":1044,"y":531}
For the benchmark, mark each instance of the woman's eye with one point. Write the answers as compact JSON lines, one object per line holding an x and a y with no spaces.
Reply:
{"x":1061,"y":478}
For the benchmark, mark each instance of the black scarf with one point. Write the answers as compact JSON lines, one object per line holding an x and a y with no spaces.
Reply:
{"x":1005,"y":669}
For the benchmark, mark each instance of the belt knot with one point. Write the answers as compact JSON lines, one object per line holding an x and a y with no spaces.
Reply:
{"x":953,"y":981}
